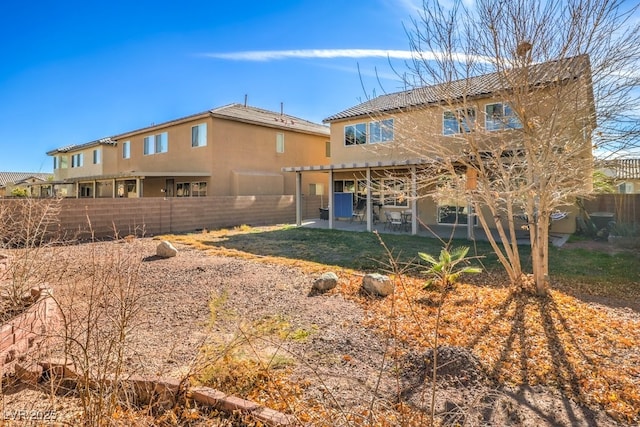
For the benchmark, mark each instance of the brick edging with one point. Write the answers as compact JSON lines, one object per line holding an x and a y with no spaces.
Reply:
{"x":161,"y":390}
{"x":27,"y":333}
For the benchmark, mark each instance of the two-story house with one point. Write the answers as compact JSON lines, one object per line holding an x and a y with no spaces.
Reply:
{"x":234,"y":150}
{"x":378,"y":146}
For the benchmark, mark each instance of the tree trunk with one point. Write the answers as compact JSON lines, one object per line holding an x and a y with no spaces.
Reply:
{"x":539,"y":235}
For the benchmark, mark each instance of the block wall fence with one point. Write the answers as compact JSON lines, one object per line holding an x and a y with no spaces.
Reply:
{"x":108,"y":218}
{"x":155,"y":215}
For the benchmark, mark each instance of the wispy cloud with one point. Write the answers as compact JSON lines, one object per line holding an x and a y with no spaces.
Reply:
{"x":270,"y":55}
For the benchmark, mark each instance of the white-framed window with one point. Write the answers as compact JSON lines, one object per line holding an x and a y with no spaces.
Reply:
{"x":344,"y":186}
{"x":625,"y":187}
{"x":96,"y":156}
{"x":162,"y":142}
{"x":451,"y":200}
{"x":183,"y":189}
{"x":459,"y":121}
{"x":63,"y":162}
{"x":56,"y":162}
{"x":126,"y":150}
{"x":199,"y":135}
{"x":499,"y":116}
{"x":381,"y":131}
{"x":279,"y":142}
{"x":394,"y":192}
{"x":198,"y":189}
{"x":148,"y":148}
{"x":155,"y":144}
{"x":191,"y":189}
{"x":77,"y":160}
{"x":355,"y":134}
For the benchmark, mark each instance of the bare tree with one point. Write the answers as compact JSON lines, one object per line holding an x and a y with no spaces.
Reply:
{"x":562,"y":76}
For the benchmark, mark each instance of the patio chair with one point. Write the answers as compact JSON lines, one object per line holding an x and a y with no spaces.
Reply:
{"x":394,"y":220}
{"x":360,"y":210}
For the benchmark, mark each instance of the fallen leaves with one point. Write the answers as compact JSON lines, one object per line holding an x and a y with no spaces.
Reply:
{"x":580,"y":348}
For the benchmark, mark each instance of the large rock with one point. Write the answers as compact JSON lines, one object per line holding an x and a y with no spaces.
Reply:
{"x":166,"y":250}
{"x":325,"y":282}
{"x":377,"y":284}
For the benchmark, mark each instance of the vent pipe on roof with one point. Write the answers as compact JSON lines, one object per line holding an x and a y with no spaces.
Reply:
{"x":282,"y":108}
{"x":245,"y":100}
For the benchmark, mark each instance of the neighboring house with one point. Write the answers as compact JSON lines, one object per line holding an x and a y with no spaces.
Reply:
{"x":625,"y":174}
{"x":234,"y":150}
{"x":371,"y":153}
{"x":36,"y":184}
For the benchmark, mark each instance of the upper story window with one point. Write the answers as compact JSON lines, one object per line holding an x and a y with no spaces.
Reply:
{"x":126,"y":150}
{"x":199,"y":135}
{"x":355,"y":134}
{"x":77,"y":160}
{"x":381,"y":131}
{"x":500,"y":116}
{"x":96,"y":156}
{"x":459,"y":121}
{"x":155,"y":144}
{"x":280,"y":142}
{"x":327,"y":148}
{"x":64,"y":162}
{"x":57,"y":162}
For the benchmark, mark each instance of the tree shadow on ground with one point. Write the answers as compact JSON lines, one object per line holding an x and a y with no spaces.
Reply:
{"x":535,"y":324}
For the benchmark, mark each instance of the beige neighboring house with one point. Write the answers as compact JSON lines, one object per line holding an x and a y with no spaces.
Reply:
{"x":625,"y":174}
{"x":36,"y":184}
{"x":371,"y":146}
{"x":234,"y":150}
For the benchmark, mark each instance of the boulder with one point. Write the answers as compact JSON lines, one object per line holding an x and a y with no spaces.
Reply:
{"x":377,"y":284}
{"x":325,"y":282}
{"x":166,"y":250}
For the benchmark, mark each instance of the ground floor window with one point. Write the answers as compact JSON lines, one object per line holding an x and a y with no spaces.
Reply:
{"x":452,"y":204}
{"x":344,"y":186}
{"x":191,"y":189}
{"x":127,"y":188}
{"x":393,"y":192}
{"x":183,"y":189}
{"x":198,"y":189}
{"x":85,"y":190}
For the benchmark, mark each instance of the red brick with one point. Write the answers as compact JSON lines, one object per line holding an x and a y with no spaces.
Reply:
{"x":233,"y":403}
{"x":273,"y":418}
{"x":206,"y":396}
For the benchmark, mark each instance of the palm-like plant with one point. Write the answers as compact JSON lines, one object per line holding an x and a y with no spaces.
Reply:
{"x":446,"y":270}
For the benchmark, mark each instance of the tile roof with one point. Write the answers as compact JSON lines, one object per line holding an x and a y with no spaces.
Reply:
{"x":13,"y":177}
{"x":255,"y":115}
{"x":625,"y":168}
{"x":539,"y":74}
{"x":75,"y":147}
{"x":243,"y":113}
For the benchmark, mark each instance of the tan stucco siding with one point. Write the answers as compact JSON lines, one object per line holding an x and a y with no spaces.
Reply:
{"x":246,"y":157}
{"x":179,"y":157}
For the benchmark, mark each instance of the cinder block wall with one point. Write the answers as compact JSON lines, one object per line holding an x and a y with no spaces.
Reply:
{"x":80,"y":218}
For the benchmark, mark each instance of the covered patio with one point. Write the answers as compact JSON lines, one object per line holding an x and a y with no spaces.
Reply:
{"x":442,"y":231}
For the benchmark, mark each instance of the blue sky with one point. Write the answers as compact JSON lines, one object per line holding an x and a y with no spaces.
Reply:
{"x":73,"y":72}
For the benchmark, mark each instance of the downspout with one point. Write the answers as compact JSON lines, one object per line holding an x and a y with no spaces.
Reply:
{"x":298,"y":199}
{"x":330,"y":203}
{"x":369,"y":202}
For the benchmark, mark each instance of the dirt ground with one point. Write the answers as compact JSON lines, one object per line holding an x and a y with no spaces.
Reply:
{"x":346,"y":365}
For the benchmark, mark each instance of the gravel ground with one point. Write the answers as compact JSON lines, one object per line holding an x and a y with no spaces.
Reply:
{"x":344,"y":362}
